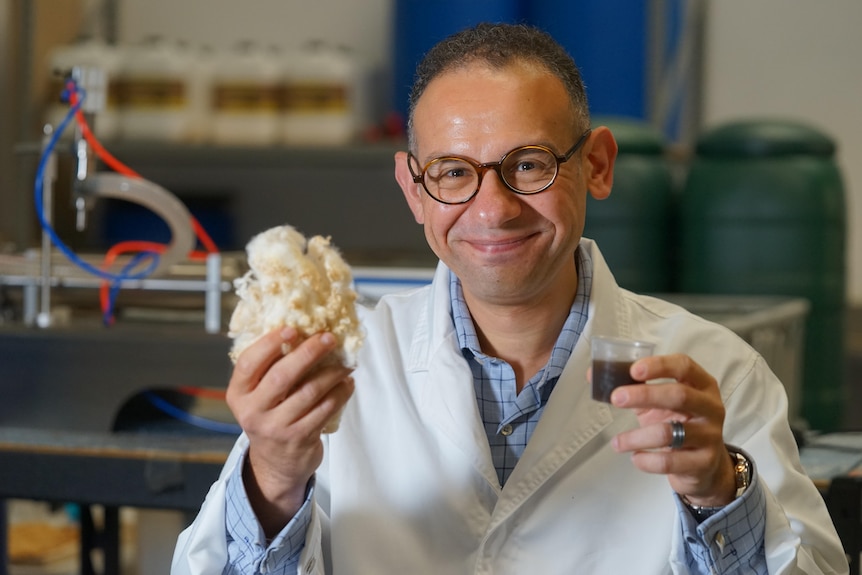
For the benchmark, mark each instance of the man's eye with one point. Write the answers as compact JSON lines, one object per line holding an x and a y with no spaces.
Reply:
{"x":455,"y":173}
{"x":449,"y":170}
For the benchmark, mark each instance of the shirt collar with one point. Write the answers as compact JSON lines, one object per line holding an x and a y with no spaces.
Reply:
{"x":574,"y":324}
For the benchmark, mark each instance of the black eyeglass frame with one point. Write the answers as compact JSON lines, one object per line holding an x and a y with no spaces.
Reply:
{"x":497,"y":167}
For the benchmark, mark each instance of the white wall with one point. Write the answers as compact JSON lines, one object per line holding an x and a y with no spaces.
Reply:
{"x":798,"y":59}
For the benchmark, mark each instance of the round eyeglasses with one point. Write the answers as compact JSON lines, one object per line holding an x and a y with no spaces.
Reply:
{"x":525,"y":170}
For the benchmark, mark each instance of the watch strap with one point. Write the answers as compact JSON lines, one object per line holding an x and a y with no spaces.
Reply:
{"x":742,"y":474}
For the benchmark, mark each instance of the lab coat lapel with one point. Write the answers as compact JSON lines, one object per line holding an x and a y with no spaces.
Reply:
{"x":449,"y":403}
{"x":572,"y":425}
{"x":448,"y":400}
{"x":567,"y":431}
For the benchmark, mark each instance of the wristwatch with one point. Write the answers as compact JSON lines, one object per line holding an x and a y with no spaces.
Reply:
{"x":742,"y":471}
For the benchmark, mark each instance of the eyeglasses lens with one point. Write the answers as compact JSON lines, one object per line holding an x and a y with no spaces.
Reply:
{"x":529,"y":169}
{"x":526,"y":170}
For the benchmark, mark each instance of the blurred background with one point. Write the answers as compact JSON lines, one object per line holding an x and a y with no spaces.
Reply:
{"x":738,"y":190}
{"x":681,"y":66}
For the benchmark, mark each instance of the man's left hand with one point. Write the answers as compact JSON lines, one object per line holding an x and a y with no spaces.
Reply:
{"x":700,"y":469}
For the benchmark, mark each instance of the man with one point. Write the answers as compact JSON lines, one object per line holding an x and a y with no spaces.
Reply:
{"x":472,"y":444}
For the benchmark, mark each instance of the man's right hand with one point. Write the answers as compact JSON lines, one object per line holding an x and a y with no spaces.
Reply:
{"x":283,"y":401}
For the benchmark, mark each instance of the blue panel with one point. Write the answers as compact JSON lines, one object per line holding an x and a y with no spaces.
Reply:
{"x":608,"y":41}
{"x":419,"y":24}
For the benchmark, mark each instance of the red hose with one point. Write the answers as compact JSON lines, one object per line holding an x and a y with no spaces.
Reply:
{"x":123,"y":169}
{"x":202,"y":392}
{"x":129,"y":246}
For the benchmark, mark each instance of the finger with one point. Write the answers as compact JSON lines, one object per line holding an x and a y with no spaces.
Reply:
{"x":314,"y":403}
{"x":255,"y":360}
{"x":331,"y":407}
{"x":700,"y":473}
{"x":655,"y":436}
{"x":289,"y":371}
{"x":682,"y":463}
{"x":660,"y":436}
{"x":679,"y":367}
{"x":284,"y":420}
{"x":673,"y":397}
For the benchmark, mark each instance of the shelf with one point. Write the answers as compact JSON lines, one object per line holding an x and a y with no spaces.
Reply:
{"x":187,"y":155}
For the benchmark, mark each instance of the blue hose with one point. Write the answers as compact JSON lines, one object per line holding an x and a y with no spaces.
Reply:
{"x":185,"y":417}
{"x":40,"y":208}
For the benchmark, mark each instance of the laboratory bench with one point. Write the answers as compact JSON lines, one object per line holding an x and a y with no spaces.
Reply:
{"x":78,"y":377}
{"x":112,"y":470}
{"x":72,"y":428}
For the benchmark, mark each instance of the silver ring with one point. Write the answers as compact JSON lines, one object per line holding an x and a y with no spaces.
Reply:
{"x":677,"y":434}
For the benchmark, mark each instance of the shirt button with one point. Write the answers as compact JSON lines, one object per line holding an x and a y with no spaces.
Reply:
{"x":507,"y":430}
{"x":720,"y":541}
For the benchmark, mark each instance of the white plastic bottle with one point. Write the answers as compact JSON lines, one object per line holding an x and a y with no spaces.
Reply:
{"x":89,"y":53}
{"x":200,"y":81}
{"x":245,"y":97}
{"x":155,"y":103}
{"x":319,"y":106}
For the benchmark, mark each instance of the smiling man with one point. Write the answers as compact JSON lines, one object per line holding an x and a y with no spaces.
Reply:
{"x":471,"y":443}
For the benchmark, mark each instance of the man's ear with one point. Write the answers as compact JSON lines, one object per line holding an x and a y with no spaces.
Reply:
{"x":412,"y":193}
{"x":600,"y":156}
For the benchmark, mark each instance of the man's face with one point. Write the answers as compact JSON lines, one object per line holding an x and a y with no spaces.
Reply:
{"x":506,"y":248}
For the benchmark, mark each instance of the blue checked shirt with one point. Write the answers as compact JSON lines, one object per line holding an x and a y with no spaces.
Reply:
{"x":731,"y":541}
{"x":510,"y":417}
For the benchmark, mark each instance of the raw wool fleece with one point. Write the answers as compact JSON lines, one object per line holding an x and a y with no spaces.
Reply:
{"x":300,"y":283}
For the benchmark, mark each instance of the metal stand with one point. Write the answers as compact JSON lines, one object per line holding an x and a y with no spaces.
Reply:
{"x":4,"y":539}
{"x":106,"y":539}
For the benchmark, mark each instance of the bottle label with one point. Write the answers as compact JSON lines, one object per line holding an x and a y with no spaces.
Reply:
{"x":144,"y":93}
{"x":315,"y":98}
{"x":246,"y":98}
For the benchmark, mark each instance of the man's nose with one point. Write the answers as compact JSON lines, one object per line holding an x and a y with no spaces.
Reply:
{"x":492,"y":172}
{"x":494,"y":200}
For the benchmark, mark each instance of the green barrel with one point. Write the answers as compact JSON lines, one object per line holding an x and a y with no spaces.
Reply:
{"x":632,"y":225}
{"x":763,"y":212}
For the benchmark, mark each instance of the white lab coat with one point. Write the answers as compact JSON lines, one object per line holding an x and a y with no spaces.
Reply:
{"x":408,"y":487}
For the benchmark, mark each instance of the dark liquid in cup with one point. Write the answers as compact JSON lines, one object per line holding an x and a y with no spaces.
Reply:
{"x":609,"y":375}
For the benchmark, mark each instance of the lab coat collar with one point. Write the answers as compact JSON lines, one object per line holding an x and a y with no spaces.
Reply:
{"x":571,"y":419}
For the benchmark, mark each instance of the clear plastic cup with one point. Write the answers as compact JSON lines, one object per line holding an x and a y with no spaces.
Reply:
{"x":612,"y":359}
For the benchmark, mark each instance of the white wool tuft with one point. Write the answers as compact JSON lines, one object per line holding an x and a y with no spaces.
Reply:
{"x":299,"y":283}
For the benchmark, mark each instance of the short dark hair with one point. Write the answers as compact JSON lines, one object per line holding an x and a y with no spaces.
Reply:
{"x":498,"y":45}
